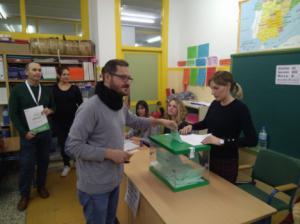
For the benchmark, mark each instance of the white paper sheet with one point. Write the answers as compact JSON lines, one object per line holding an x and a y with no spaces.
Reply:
{"x":193,"y":139}
{"x":130,"y":146}
{"x":37,"y":122}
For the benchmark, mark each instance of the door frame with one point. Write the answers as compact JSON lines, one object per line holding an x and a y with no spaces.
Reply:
{"x":163,"y":50}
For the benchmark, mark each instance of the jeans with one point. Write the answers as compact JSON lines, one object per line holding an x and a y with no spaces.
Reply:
{"x":100,"y":208}
{"x":34,"y":152}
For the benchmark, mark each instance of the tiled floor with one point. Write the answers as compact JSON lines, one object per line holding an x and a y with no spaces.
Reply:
{"x":9,"y":196}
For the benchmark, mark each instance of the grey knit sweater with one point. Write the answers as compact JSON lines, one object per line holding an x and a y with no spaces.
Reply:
{"x":96,"y":127}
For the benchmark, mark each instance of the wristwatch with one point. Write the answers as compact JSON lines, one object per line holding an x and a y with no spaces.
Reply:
{"x":222,"y":141}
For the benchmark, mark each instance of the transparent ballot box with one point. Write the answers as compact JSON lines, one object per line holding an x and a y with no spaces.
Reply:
{"x":178,"y":164}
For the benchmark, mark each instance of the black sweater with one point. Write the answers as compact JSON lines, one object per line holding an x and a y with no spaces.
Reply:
{"x":227,"y":122}
{"x":67,"y":103}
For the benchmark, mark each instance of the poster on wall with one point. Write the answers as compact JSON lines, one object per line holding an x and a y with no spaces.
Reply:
{"x":287,"y":75}
{"x":268,"y":24}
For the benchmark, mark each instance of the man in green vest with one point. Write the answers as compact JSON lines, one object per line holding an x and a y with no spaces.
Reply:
{"x":30,"y":104}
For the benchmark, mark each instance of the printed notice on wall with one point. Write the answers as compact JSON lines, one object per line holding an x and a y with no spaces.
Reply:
{"x":132,"y":197}
{"x":287,"y":75}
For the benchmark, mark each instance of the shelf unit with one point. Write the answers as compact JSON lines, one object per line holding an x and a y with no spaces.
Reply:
{"x":197,"y":110}
{"x":18,"y":62}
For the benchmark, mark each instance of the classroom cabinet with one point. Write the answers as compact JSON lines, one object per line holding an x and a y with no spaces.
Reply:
{"x":12,"y":72}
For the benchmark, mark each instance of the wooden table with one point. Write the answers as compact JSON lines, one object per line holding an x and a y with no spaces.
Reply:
{"x":9,"y":152}
{"x":219,"y":202}
{"x":11,"y":144}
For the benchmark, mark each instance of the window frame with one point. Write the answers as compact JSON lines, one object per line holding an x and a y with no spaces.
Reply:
{"x":23,"y":35}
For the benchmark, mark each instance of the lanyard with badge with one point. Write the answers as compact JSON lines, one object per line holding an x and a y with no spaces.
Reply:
{"x":37,"y":121}
{"x":32,"y":95}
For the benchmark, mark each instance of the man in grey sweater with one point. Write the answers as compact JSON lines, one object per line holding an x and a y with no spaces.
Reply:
{"x":96,"y":140}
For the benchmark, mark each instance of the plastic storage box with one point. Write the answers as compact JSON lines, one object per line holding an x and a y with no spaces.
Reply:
{"x":178,"y":164}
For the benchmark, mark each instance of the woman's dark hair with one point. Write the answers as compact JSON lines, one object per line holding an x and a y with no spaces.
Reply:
{"x":223,"y":78}
{"x":60,"y":71}
{"x":144,"y":104}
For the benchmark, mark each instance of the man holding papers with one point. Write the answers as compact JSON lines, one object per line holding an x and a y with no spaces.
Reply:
{"x":96,"y":140}
{"x":29,"y":105}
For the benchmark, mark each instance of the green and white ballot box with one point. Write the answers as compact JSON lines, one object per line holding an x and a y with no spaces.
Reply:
{"x":179,"y":164}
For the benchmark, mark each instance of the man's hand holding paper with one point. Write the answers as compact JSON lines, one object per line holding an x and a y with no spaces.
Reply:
{"x":37,"y":120}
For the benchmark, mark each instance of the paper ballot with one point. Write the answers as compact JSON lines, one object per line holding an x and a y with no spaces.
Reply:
{"x":176,"y":136}
{"x":37,"y":122}
{"x":194,"y":139}
{"x":130,"y":146}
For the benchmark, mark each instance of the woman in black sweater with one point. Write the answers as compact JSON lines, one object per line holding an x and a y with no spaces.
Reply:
{"x":226,"y":118}
{"x":67,"y":98}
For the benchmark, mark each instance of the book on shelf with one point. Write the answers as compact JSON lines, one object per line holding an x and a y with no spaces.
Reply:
{"x":44,"y":60}
{"x":1,"y":68}
{"x":3,"y":95}
{"x":49,"y":72}
{"x":88,"y":71}
{"x":69,"y":61}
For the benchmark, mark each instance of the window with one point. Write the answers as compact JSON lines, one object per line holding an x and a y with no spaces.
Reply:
{"x":53,"y":17}
{"x":141,"y":22}
{"x":10,"y":16}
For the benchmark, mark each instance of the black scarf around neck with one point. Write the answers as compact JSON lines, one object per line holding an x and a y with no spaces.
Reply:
{"x":109,"y":97}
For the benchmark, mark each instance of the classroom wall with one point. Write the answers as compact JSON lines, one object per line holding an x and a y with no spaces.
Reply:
{"x":194,"y":22}
{"x":191,"y":22}
{"x":102,"y":29}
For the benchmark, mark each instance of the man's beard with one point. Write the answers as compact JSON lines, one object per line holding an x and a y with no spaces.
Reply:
{"x":119,"y":90}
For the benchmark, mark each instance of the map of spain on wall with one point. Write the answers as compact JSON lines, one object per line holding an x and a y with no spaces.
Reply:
{"x":269,"y":24}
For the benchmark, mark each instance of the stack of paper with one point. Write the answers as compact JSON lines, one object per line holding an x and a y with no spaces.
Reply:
{"x":69,"y":61}
{"x":1,"y":69}
{"x":88,"y":71}
{"x":44,"y":60}
{"x":49,"y":72}
{"x":3,"y":95}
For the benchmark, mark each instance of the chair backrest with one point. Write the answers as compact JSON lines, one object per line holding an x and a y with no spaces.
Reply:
{"x":276,"y":169}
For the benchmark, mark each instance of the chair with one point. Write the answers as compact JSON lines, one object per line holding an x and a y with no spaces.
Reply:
{"x":277,"y":170}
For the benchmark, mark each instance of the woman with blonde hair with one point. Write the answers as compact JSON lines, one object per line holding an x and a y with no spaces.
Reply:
{"x":177,"y":112}
{"x":226,"y":118}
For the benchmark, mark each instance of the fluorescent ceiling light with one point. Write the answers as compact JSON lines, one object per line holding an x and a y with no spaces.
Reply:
{"x":30,"y":29}
{"x":154,"y":39}
{"x":7,"y":27}
{"x":138,"y":15}
{"x":2,"y":12}
{"x":136,"y":19}
{"x":10,"y":28}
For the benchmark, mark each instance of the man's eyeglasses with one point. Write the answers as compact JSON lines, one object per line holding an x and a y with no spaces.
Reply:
{"x":124,"y":78}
